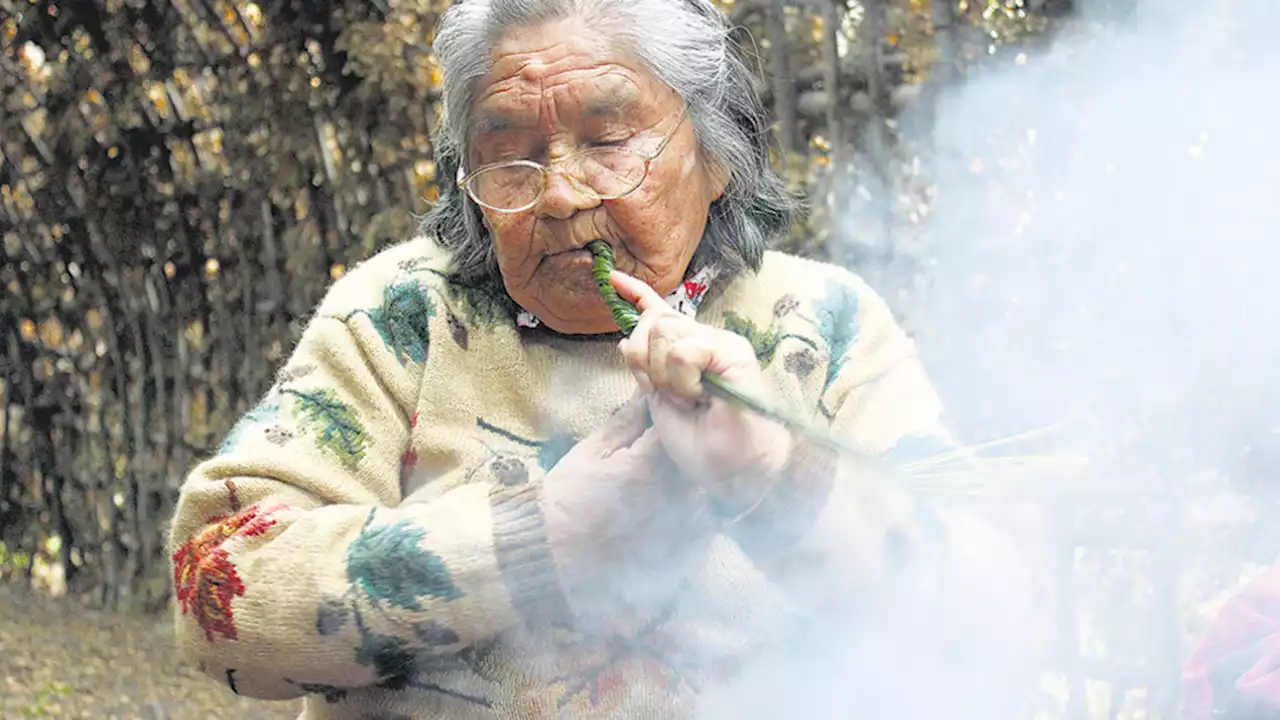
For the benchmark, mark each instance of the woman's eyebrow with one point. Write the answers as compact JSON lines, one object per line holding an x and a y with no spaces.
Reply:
{"x":491,"y":122}
{"x":612,"y":104}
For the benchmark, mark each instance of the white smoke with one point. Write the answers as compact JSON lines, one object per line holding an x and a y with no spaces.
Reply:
{"x":1113,"y":262}
{"x":1103,"y":247}
{"x":1104,"y":250}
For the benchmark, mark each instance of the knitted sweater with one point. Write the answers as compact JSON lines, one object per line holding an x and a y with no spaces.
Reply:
{"x":369,"y":536}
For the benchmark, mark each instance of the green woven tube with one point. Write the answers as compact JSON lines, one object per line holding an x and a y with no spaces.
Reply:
{"x":602,"y":264}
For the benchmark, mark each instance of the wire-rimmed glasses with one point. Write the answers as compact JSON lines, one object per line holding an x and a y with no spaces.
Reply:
{"x":604,"y":173}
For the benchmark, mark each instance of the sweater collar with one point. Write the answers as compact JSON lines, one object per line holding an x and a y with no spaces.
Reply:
{"x":685,"y":298}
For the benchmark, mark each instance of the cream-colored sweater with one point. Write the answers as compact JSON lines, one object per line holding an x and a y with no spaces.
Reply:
{"x":369,"y":537}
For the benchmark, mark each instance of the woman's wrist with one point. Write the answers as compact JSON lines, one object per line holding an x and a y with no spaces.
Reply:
{"x":737,"y":481}
{"x":735,"y":492}
{"x":777,"y":507}
{"x":525,"y":554}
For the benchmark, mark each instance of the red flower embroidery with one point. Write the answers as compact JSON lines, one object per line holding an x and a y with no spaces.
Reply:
{"x":622,"y":678}
{"x":408,"y":462}
{"x":693,"y":289}
{"x":608,"y":687}
{"x":204,"y":577}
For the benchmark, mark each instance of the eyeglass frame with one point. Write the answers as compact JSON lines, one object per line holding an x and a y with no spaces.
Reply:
{"x":544,"y":171}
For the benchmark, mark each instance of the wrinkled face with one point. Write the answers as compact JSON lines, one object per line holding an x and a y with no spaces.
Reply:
{"x":556,"y":89}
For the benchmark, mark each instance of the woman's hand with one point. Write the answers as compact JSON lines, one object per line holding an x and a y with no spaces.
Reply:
{"x":615,"y":517}
{"x":732,"y":452}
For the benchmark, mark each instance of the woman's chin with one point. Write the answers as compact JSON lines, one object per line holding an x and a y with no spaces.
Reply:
{"x":603,"y":328}
{"x":577,"y":315}
{"x":572,"y":305}
{"x":596,"y":323}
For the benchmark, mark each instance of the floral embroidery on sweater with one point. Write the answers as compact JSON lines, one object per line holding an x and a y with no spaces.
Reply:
{"x":764,"y":340}
{"x":550,"y":451}
{"x":403,"y":320}
{"x":388,"y":567}
{"x":389,"y":563}
{"x":260,"y":415}
{"x":334,"y":425}
{"x":394,"y":662}
{"x":603,"y":689}
{"x":204,"y":577}
{"x":836,"y":318}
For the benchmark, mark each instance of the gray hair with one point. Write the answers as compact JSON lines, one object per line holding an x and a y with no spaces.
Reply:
{"x":685,"y":44}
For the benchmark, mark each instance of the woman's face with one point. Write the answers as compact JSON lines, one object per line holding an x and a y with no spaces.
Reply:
{"x":558,"y":88}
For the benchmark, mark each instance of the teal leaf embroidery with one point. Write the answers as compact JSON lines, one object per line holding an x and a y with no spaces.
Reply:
{"x":390,"y":564}
{"x":403,"y":320}
{"x":260,"y":415}
{"x":334,"y":425}
{"x":837,"y":318}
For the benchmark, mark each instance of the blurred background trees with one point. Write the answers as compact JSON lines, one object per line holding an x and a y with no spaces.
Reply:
{"x":180,"y":182}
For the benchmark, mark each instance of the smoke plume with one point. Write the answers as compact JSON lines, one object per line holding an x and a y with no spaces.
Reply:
{"x":1102,"y":260}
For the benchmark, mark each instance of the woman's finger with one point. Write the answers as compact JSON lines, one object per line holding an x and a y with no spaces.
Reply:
{"x":685,"y":363}
{"x":635,"y":348}
{"x":664,"y":335}
{"x":637,"y":292}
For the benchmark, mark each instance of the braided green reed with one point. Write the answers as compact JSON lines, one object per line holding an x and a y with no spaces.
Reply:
{"x":601,"y":265}
{"x":626,"y":315}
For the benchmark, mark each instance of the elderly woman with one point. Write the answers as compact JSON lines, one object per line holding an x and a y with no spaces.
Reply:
{"x":468,"y":495}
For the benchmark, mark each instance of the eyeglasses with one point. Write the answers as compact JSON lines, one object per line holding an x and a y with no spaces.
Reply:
{"x":603,"y":173}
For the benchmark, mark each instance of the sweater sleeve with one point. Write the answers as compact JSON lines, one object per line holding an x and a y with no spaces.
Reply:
{"x":834,"y":531}
{"x":828,"y":511}
{"x":298,"y":570}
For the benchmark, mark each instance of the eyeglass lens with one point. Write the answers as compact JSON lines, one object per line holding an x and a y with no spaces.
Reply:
{"x":608,"y":172}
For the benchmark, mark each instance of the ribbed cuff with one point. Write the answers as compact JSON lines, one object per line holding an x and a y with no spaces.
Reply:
{"x":792,"y":504}
{"x":524,"y":556}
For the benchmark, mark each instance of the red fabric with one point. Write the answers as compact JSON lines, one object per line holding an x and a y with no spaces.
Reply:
{"x":1236,"y":667}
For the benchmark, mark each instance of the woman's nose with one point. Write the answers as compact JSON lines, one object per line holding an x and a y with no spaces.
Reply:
{"x":564,"y":196}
